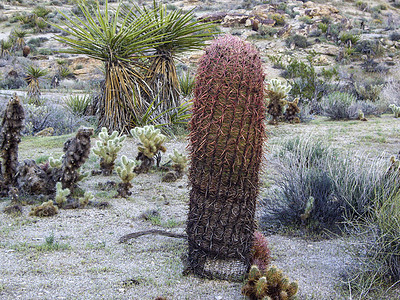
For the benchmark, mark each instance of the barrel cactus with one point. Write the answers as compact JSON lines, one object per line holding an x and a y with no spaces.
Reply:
{"x":226,"y":141}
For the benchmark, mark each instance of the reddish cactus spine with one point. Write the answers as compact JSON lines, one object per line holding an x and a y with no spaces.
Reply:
{"x":226,"y":141}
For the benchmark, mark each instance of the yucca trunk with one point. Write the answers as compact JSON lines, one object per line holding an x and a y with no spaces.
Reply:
{"x":119,"y":103}
{"x":226,"y":141}
{"x":164,"y":80}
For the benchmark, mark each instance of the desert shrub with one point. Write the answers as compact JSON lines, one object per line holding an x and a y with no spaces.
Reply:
{"x":306,"y":85}
{"x":10,"y":83}
{"x":298,"y":40}
{"x":78,"y":104}
{"x":279,"y":19}
{"x":347,"y":37}
{"x":372,"y":66}
{"x":37,"y":42}
{"x":390,"y":93}
{"x":265,"y":31}
{"x":376,"y":252}
{"x":395,"y":36}
{"x":367,"y":107}
{"x":368,"y":90}
{"x":41,"y":11}
{"x":323,"y":27}
{"x":369,"y":47}
{"x":38,"y":118}
{"x":317,"y":187}
{"x":306,"y":20}
{"x":338,"y":106}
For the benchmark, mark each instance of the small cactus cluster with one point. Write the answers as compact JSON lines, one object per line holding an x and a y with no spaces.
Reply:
{"x":55,"y":162}
{"x":179,"y":161}
{"x":152,"y":142}
{"x":361,"y":116}
{"x":46,"y":209}
{"x":291,"y":111}
{"x":276,"y":93}
{"x":87,"y":197}
{"x":61,"y":194}
{"x":126,"y":173}
{"x":179,"y":164}
{"x":395,"y":110}
{"x":269,"y":285}
{"x":107,"y":149}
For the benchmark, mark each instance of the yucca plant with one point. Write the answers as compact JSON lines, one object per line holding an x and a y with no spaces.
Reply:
{"x":186,"y":84}
{"x":78,"y":104}
{"x":19,"y":37}
{"x":179,"y":31}
{"x":120,"y":42}
{"x":5,"y":48}
{"x":41,"y":12}
{"x":32,"y":78}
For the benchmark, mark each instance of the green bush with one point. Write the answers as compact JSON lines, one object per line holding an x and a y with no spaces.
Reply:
{"x":369,"y":47}
{"x":323,"y":27}
{"x":298,"y":40}
{"x":395,"y":36}
{"x":306,"y":19}
{"x":304,"y":80}
{"x":338,"y":106}
{"x":369,"y":90}
{"x":376,"y":252}
{"x":347,"y":37}
{"x":318,"y":187}
{"x":279,"y":19}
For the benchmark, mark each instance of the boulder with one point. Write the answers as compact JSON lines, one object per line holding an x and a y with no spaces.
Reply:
{"x":232,"y":20}
{"x":216,"y":17}
{"x":313,"y":9}
{"x":326,"y":49}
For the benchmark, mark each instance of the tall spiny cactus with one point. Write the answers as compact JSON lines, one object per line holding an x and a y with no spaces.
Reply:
{"x":10,"y":136}
{"x":226,"y":141}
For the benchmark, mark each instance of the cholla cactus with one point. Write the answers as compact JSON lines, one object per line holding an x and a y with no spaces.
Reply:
{"x":292,"y":110}
{"x":61,"y":194}
{"x":179,"y":163}
{"x":46,"y":209}
{"x":269,"y":285}
{"x":395,"y":110}
{"x":152,"y":141}
{"x":55,"y":162}
{"x":277,"y":91}
{"x":10,"y":137}
{"x":107,"y":149}
{"x":280,"y":88}
{"x":126,"y":173}
{"x":361,"y":116}
{"x":87,"y":197}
